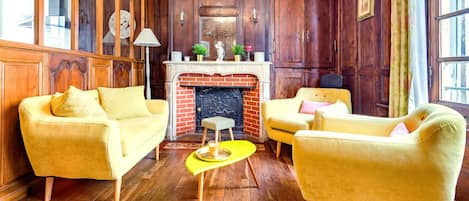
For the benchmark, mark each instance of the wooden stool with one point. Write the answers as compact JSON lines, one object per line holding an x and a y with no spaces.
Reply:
{"x":217,"y":124}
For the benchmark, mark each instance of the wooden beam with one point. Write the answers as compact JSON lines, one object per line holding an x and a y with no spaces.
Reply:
{"x":132,"y":25}
{"x":117,"y":38}
{"x":99,"y":26}
{"x":39,"y":23}
{"x":74,"y":25}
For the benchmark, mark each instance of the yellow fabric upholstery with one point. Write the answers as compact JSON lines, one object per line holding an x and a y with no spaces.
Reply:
{"x":92,"y":148}
{"x":282,"y":119}
{"x":76,"y":103}
{"x":353,"y":158}
{"x":123,"y":103}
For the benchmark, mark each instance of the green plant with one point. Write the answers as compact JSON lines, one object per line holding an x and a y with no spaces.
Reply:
{"x":238,"y":50}
{"x":199,"y":49}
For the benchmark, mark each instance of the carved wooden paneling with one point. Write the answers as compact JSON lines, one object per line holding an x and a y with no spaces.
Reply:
{"x":122,"y":74}
{"x":138,"y":76}
{"x":289,"y":33}
{"x":21,"y":75}
{"x":367,"y":88}
{"x":315,"y":75}
{"x":288,"y":81}
{"x":100,"y":73}
{"x":255,"y":33}
{"x":319,"y":33}
{"x":66,"y":70}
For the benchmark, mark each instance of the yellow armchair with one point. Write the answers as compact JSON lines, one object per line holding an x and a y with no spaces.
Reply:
{"x":93,"y":148}
{"x":282,"y":119}
{"x":353,"y":158}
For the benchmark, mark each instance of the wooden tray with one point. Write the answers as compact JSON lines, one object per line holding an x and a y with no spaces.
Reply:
{"x":203,"y":154}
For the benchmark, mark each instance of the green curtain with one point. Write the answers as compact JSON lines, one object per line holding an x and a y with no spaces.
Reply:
{"x":399,"y":75}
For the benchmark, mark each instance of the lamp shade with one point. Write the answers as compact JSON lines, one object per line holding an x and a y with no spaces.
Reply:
{"x":147,"y":38}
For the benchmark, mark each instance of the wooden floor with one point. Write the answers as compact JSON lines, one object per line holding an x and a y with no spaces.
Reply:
{"x":168,"y":180}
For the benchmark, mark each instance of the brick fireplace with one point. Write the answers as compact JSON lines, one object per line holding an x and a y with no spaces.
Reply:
{"x":185,"y":99}
{"x":252,"y":78}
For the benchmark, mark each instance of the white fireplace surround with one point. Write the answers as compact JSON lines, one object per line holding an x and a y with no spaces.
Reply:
{"x":175,"y":68}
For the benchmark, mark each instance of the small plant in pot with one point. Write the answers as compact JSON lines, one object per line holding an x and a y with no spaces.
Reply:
{"x":238,"y":51}
{"x":199,"y":50}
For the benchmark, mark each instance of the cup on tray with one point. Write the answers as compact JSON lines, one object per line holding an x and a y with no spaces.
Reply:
{"x":213,"y":148}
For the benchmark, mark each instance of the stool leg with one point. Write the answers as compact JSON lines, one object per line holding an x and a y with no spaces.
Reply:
{"x":231,"y":133}
{"x":216,"y":135}
{"x":203,"y":136}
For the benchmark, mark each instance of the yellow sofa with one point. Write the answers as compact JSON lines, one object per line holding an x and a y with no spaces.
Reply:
{"x":93,"y":148}
{"x":353,"y":159}
{"x":282,"y":119}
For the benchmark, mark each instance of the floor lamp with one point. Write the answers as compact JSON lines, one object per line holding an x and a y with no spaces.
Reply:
{"x":147,"y":39}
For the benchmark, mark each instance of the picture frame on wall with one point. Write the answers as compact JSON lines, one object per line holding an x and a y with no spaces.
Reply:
{"x":365,"y":9}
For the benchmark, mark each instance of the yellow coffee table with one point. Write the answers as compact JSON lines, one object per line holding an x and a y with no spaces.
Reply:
{"x":240,"y":150}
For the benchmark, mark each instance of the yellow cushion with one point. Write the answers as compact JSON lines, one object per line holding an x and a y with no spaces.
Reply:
{"x":122,"y":103}
{"x":76,"y":103}
{"x":135,"y":132}
{"x":292,"y":122}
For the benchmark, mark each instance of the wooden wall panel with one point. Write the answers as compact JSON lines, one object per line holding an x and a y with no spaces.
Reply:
{"x":364,"y":52}
{"x":66,"y":70}
{"x":100,"y":73}
{"x":21,"y":75}
{"x":122,"y":74}
{"x":138,"y":74}
{"x":219,"y":3}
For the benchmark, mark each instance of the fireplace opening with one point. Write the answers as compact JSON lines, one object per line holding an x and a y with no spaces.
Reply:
{"x":219,"y":101}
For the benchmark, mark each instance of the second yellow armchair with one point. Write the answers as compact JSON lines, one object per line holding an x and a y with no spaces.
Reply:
{"x":282,"y":118}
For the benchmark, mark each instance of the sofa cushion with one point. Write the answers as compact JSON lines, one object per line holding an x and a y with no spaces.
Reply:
{"x":136,"y":131}
{"x":76,"y":103}
{"x":292,"y":122}
{"x":122,"y":103}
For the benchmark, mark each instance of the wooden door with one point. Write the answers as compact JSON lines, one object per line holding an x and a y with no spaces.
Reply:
{"x":289,"y":33}
{"x":320,"y":33}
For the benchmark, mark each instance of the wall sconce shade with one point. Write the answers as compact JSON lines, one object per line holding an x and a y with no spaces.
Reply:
{"x":254,"y":16}
{"x":182,"y":18}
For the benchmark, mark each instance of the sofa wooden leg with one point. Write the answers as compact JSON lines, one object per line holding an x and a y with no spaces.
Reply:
{"x":117,"y":189}
{"x":157,"y":153}
{"x":48,"y":189}
{"x":279,"y":147}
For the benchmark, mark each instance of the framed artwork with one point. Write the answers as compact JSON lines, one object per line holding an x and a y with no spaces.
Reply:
{"x":365,"y":9}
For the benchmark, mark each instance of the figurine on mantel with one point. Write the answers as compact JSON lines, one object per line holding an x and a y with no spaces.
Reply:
{"x":220,"y":50}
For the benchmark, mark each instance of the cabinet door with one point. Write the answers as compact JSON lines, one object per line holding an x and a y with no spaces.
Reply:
{"x":319,"y":33}
{"x":289,"y":33}
{"x":288,"y":81}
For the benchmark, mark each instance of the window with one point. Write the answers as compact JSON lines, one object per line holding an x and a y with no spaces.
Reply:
{"x":450,"y":38}
{"x":57,"y":21}
{"x":17,"y":20}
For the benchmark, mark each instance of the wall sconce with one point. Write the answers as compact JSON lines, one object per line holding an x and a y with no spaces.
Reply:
{"x":254,"y":16}
{"x":182,"y":18}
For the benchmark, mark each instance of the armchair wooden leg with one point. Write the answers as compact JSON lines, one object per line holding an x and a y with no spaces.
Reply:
{"x":279,"y":147}
{"x":48,"y":189}
{"x":117,"y":189}
{"x":157,"y":153}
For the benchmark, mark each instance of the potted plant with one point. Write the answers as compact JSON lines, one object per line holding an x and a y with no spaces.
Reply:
{"x":199,"y":50}
{"x":238,"y":51}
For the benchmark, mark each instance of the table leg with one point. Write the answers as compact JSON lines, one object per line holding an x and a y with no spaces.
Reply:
{"x":201,"y":187}
{"x":252,"y":171}
{"x":203,"y":136}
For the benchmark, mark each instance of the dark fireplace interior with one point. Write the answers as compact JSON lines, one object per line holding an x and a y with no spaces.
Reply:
{"x":219,"y":101}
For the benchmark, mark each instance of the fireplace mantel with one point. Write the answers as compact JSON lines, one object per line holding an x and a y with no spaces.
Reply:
{"x":173,"y":69}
